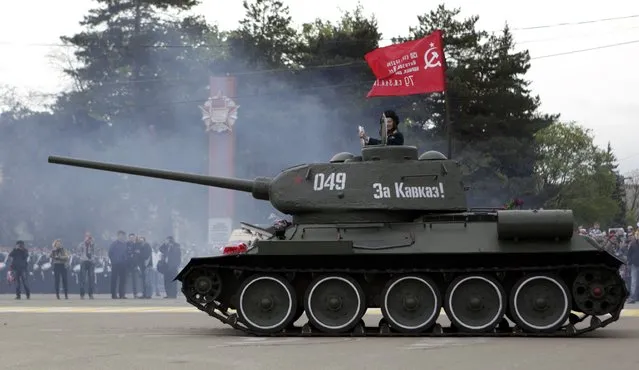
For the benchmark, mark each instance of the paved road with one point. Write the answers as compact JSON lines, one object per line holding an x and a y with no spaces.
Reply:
{"x":44,"y":333}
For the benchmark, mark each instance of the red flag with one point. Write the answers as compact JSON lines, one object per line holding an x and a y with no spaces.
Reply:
{"x":413,"y":67}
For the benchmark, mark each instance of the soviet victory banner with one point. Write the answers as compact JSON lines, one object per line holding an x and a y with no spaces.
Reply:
{"x":413,"y":67}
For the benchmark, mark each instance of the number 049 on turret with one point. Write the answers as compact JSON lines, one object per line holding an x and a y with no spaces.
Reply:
{"x":329,"y":181}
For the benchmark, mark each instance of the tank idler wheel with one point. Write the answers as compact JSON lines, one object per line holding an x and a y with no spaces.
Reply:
{"x":411,"y":303}
{"x":202,"y":285}
{"x":540,"y":303}
{"x":475,"y":303}
{"x":334,"y":303}
{"x":267,"y":303}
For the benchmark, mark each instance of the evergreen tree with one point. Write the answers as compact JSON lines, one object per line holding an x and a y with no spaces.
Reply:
{"x":143,"y":73}
{"x":493,"y":112}
{"x":140,"y":74}
{"x":130,"y":56}
{"x":343,"y":45}
{"x":266,"y":37}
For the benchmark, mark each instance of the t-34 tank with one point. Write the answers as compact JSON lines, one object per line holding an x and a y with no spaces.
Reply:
{"x":391,"y":231}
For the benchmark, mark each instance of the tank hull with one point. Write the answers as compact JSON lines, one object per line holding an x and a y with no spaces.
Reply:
{"x":412,"y":272}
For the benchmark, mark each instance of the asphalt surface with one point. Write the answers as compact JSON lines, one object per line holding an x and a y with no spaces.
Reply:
{"x":46,"y":334}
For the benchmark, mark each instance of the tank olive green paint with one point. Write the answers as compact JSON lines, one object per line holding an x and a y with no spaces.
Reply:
{"x":388,"y":200}
{"x":363,"y":224}
{"x":389,"y":184}
{"x":535,"y":224}
{"x":453,"y":237}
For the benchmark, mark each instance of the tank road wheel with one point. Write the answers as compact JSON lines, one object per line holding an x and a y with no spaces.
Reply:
{"x":267,"y":303}
{"x":203,"y":285}
{"x":411,"y":304}
{"x":475,"y":303}
{"x":540,"y":303}
{"x":334,"y":303}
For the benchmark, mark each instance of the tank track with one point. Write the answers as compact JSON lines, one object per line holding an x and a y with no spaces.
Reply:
{"x":504,"y":329}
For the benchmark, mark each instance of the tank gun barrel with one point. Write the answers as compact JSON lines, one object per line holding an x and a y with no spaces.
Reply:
{"x":259,"y":187}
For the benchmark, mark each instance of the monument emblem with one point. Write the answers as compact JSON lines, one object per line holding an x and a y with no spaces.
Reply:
{"x":219,"y":113}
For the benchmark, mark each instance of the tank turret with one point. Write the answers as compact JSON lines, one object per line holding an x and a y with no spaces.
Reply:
{"x":387,"y":183}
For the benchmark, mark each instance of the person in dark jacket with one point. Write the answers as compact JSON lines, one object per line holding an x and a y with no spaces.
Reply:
{"x":169,"y":264}
{"x":632,"y":261}
{"x":20,"y":268}
{"x":60,"y":260}
{"x":119,"y":263}
{"x":393,"y":136}
{"x":133,"y":257}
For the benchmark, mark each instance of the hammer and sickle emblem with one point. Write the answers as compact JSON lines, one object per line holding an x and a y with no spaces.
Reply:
{"x":431,"y":58}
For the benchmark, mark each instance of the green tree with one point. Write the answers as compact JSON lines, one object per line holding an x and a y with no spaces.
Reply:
{"x":30,"y":202}
{"x":139,"y":79}
{"x":631,"y":187}
{"x":141,"y":75}
{"x":291,"y":93}
{"x":131,"y":58}
{"x":619,"y":193}
{"x":344,"y":85}
{"x":573,"y":173}
{"x":320,"y":76}
{"x":266,"y":37}
{"x":493,"y":112}
{"x":16,"y":120}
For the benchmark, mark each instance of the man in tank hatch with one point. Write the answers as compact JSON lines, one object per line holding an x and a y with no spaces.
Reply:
{"x":394,"y":137}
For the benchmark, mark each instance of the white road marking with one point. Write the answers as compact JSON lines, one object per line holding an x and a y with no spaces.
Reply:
{"x":445,"y":342}
{"x":632,"y":312}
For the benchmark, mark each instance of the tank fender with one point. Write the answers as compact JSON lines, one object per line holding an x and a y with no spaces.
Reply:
{"x":195,"y":262}
{"x":180,"y":275}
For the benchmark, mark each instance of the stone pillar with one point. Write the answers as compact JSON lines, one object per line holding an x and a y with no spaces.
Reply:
{"x":219,"y":114}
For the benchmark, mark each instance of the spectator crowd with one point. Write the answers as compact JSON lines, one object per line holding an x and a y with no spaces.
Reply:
{"x":131,"y":265}
{"x":128,"y":265}
{"x":623,"y":243}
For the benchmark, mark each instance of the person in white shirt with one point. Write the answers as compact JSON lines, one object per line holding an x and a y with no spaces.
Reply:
{"x":153,"y":274}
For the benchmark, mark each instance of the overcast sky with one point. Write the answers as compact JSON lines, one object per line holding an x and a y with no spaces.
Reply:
{"x":596,"y":88}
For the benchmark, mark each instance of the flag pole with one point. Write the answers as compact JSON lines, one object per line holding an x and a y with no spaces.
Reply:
{"x":383,"y":133}
{"x":447,"y":120}
{"x":449,"y":127}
